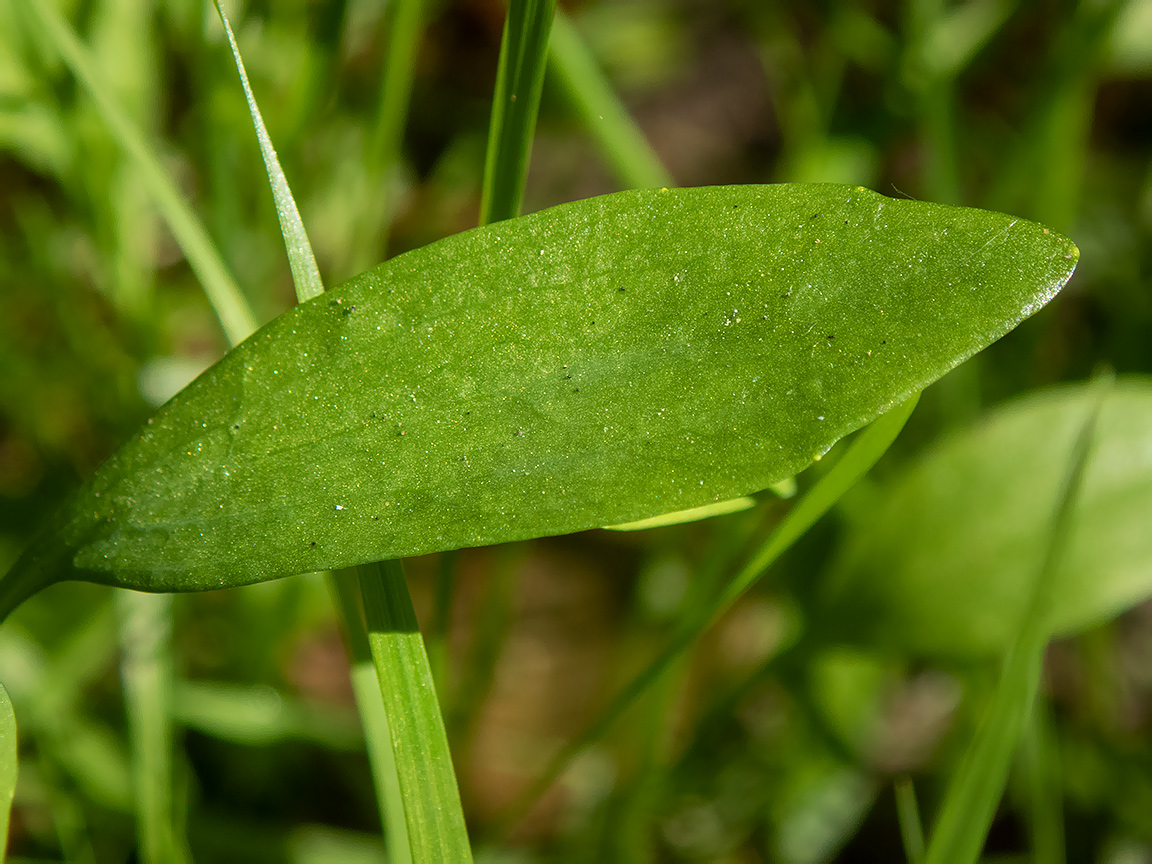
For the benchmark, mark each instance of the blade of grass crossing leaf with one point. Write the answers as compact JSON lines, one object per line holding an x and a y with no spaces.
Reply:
{"x":436,"y":829}
{"x":976,"y":787}
{"x":908,"y":814}
{"x":8,"y":767}
{"x":223,"y":292}
{"x":519,"y":81}
{"x":146,"y":675}
{"x":373,"y":717}
{"x":305,"y":274}
{"x":864,"y":452}
{"x":627,"y":150}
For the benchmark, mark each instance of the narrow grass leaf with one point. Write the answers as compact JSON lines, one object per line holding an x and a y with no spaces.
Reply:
{"x":432,"y":810}
{"x":627,"y":150}
{"x":345,"y":588}
{"x":305,"y":275}
{"x":594,"y":364}
{"x":908,"y":814}
{"x":1042,"y":785}
{"x":865,"y":451}
{"x":223,"y":293}
{"x":976,"y":786}
{"x":936,"y":562}
{"x":9,"y":764}
{"x":384,"y":150}
{"x":519,"y":82}
{"x":146,"y":673}
{"x":366,"y":667}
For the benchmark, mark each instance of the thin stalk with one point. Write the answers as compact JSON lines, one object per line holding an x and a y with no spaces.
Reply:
{"x":9,"y":765}
{"x":223,"y":293}
{"x":908,"y":814}
{"x":370,"y":240}
{"x":519,"y":82}
{"x":1040,"y":764}
{"x":146,"y":675}
{"x":621,"y":141}
{"x":432,"y":809}
{"x":865,"y":451}
{"x":978,"y":784}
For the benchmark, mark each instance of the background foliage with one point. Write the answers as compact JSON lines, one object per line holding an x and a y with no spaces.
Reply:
{"x":763,"y":744}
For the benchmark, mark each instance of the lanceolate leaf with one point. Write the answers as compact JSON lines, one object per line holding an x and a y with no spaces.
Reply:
{"x":942,"y":561}
{"x":593,"y":364}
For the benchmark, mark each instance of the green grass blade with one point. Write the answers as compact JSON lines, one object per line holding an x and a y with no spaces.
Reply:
{"x":908,"y":814}
{"x":978,"y":784}
{"x":9,"y":764}
{"x":436,"y":829}
{"x":1040,"y":765}
{"x":146,"y":673}
{"x":370,"y":235}
{"x":305,"y":275}
{"x":519,"y":82}
{"x":223,"y":293}
{"x":865,"y":451}
{"x":627,"y":150}
{"x":373,"y":716}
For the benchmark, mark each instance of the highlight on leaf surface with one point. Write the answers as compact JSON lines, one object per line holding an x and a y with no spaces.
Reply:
{"x":940,"y":561}
{"x":596,"y":363}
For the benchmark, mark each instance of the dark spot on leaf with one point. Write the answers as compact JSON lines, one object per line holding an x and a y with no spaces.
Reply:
{"x":313,"y":542}
{"x":830,"y":336}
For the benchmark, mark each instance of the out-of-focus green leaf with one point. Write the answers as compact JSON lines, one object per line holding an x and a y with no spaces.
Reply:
{"x":941,"y":562}
{"x":8,"y":766}
{"x":597,"y":363}
{"x":977,"y":785}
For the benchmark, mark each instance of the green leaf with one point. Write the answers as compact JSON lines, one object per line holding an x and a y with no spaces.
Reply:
{"x":596,"y":363}
{"x":940,"y":562}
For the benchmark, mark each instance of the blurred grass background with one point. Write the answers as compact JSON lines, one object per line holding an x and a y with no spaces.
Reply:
{"x":760,"y":746}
